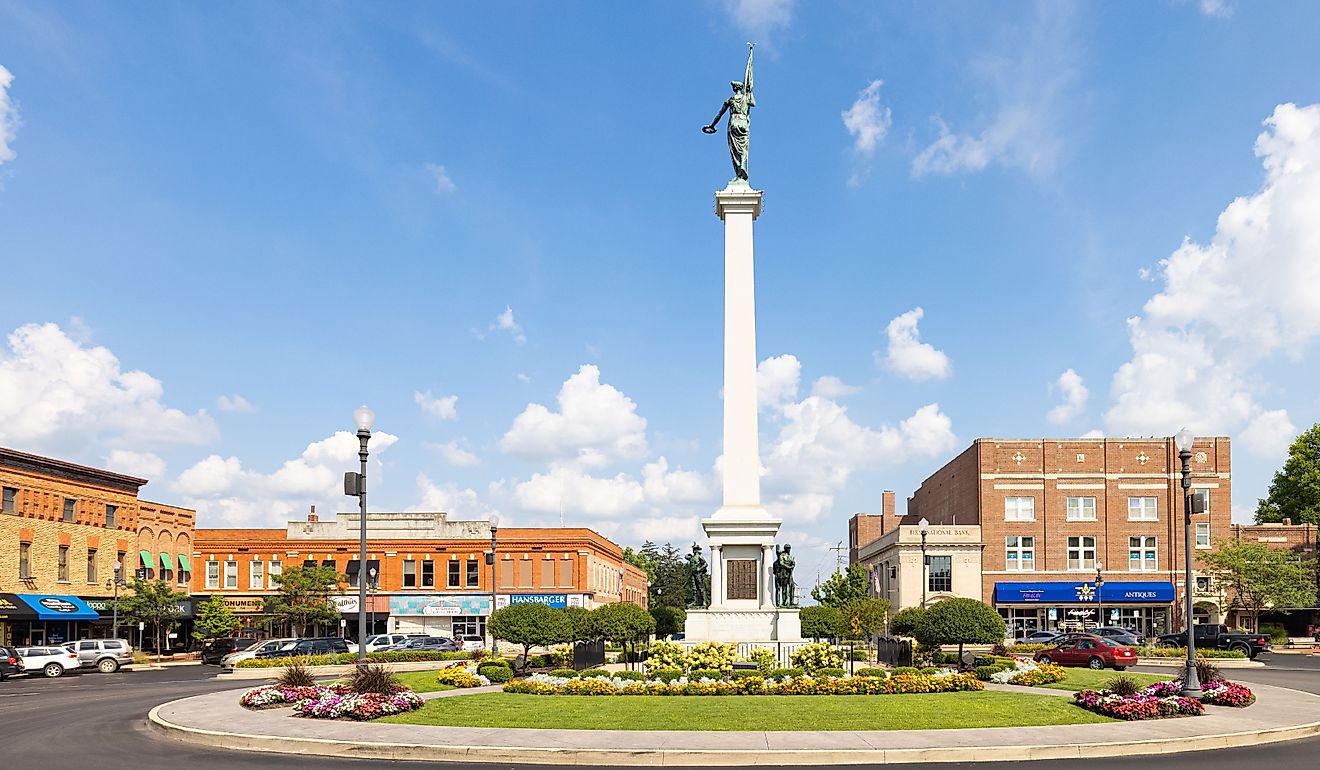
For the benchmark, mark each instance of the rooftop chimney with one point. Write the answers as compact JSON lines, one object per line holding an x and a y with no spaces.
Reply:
{"x":311,"y":515}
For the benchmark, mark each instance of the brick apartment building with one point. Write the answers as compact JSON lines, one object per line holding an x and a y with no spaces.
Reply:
{"x":63,"y":528}
{"x":431,"y":574}
{"x":1049,"y":517}
{"x":1301,"y":539}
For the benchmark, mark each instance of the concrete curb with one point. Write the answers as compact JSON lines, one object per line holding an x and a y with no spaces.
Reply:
{"x":877,"y":747}
{"x":249,"y":674}
{"x":1182,"y":662}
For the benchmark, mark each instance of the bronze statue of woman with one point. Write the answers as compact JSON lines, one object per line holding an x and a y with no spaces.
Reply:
{"x":739,"y":106}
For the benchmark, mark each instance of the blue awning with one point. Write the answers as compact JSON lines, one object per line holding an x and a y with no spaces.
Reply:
{"x":1065,"y":592}
{"x":56,"y":607}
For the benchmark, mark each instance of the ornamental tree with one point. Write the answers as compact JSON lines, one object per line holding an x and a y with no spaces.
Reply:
{"x":1260,"y":577}
{"x":215,"y":618}
{"x":905,"y":621}
{"x":154,"y":602}
{"x":669,"y":620}
{"x":622,"y":622}
{"x":959,"y":621}
{"x":303,"y":597}
{"x":819,"y":621}
{"x":863,"y":618}
{"x":530,"y":624}
{"x":843,"y":587}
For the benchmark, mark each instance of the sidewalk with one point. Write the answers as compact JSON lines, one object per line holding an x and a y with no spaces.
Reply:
{"x":1278,"y":715}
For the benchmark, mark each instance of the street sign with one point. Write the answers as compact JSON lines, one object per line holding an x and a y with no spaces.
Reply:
{"x":142,"y":626}
{"x":342,"y":622}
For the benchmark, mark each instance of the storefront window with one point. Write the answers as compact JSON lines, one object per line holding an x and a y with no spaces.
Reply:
{"x":469,"y":625}
{"x":1081,"y":509}
{"x":1081,"y":553}
{"x":1020,"y":553}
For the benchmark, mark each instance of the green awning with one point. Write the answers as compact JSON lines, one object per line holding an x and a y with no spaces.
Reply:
{"x":184,"y":564}
{"x":166,"y":562}
{"x":147,"y":561}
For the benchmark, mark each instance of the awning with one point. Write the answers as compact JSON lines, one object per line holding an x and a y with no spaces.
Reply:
{"x":167,"y":562}
{"x":14,"y":608}
{"x":56,"y":607}
{"x":1067,"y":592}
{"x":147,"y":561}
{"x":184,"y":564}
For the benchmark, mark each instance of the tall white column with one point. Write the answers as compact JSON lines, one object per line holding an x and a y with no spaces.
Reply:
{"x":767,"y":576}
{"x":739,"y":207}
{"x":717,"y":576}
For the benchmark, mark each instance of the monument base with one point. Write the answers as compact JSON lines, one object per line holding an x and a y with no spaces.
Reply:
{"x":724,"y":625}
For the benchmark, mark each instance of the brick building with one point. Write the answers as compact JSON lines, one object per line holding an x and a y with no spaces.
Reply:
{"x":63,"y":529}
{"x":1071,"y":531}
{"x":1302,"y":540}
{"x":431,"y":574}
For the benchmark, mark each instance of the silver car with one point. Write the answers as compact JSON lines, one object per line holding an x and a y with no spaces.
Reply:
{"x":104,"y":655}
{"x":227,"y":662}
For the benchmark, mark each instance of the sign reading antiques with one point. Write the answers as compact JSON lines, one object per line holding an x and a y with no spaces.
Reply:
{"x":742,"y":578}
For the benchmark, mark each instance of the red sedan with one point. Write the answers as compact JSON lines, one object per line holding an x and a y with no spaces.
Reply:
{"x":1090,"y":651}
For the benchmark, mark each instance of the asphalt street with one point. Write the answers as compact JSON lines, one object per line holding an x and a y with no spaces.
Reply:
{"x":100,"y":719}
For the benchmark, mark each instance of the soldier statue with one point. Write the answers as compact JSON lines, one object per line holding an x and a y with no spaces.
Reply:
{"x":785,"y":588}
{"x":699,"y":577}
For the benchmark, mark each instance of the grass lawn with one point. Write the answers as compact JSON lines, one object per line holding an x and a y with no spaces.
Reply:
{"x":750,"y":712}
{"x":422,"y":681}
{"x":1086,"y":679}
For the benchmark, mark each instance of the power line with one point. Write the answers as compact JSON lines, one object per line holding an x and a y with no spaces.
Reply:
{"x":838,"y":557}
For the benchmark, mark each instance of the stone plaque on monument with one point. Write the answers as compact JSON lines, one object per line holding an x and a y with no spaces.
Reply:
{"x":742,"y":578}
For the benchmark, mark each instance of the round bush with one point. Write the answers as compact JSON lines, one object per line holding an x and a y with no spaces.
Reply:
{"x":666,"y":674}
{"x":566,"y":673}
{"x":630,"y":676}
{"x":983,"y":672}
{"x":878,"y":673}
{"x":597,"y":672}
{"x":904,"y":670}
{"x":831,"y":671}
{"x":496,"y":674}
{"x":705,"y":673}
{"x":857,"y":655}
{"x":740,"y":674}
{"x":785,"y":673}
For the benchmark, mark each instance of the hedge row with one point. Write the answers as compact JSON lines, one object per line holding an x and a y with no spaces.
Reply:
{"x":346,"y":658}
{"x":1181,"y":652}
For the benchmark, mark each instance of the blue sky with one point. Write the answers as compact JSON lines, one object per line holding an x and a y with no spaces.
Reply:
{"x":224,"y":227}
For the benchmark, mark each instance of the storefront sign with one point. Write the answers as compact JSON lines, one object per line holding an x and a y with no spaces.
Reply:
{"x":106,"y":607}
{"x":53,"y":607}
{"x":549,"y":600}
{"x":442,"y":609}
{"x":245,"y":605}
{"x":1084,"y":592}
{"x":346,"y":603}
{"x":435,"y":605}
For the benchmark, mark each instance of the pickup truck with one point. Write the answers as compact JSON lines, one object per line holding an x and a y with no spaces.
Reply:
{"x":1218,"y":637}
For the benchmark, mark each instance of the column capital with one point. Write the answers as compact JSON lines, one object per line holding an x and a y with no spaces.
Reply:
{"x":738,"y":200}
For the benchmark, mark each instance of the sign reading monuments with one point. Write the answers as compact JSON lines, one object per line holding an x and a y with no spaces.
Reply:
{"x":742,"y":578}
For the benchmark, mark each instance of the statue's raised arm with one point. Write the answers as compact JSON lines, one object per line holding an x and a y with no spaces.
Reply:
{"x":739,"y":108}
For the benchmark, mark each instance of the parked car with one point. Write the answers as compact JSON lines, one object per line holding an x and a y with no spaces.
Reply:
{"x":252,"y":650}
{"x":1094,"y":652}
{"x":1215,"y":636}
{"x":430,"y":644}
{"x":382,"y":642}
{"x":471,"y":643}
{"x":215,"y":650}
{"x":104,"y":655}
{"x":1121,"y":635}
{"x":323,"y":645}
{"x":1037,"y":637}
{"x":10,"y":663}
{"x":50,"y":661}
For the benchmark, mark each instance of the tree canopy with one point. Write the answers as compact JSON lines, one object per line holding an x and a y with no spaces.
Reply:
{"x":303,"y":597}
{"x":531,"y":624}
{"x":669,"y":620}
{"x":863,"y":618}
{"x":842,"y":587}
{"x":215,"y":618}
{"x":906,"y":620}
{"x":1295,"y":491}
{"x":1260,"y":577}
{"x":819,"y":621}
{"x":154,"y":602}
{"x":959,"y":621}
{"x":644,"y":559}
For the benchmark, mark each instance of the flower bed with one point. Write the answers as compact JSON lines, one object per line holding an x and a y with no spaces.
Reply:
{"x":1161,"y":700}
{"x":459,"y":676}
{"x":332,"y":702}
{"x":543,"y":684}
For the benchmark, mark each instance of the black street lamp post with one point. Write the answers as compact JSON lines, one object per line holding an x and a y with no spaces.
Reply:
{"x":1099,"y":595}
{"x":1183,"y":442}
{"x":371,"y":575}
{"x":494,"y":566}
{"x":355,"y":484}
{"x":924,"y":563}
{"x":117,"y":580}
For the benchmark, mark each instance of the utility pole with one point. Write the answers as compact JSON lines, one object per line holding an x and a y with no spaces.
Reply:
{"x":838,"y":557}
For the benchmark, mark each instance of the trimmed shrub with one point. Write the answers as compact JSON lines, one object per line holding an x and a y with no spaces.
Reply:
{"x":876,"y":672}
{"x":738,"y":675}
{"x":630,"y":676}
{"x":348,"y":658}
{"x":496,"y":674}
{"x":593,"y":672}
{"x":666,"y":674}
{"x":1177,"y":652}
{"x":667,"y":655}
{"x":296,"y":676}
{"x":1278,"y":634}
{"x":985,"y":672}
{"x":835,"y":672}
{"x":904,"y":670}
{"x":783,"y":673}
{"x":816,"y":656}
{"x":857,"y":655}
{"x":718,"y":656}
{"x":764,"y":658}
{"x":565,"y":673}
{"x":705,"y":673}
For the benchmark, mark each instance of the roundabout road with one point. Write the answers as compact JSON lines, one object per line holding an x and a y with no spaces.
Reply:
{"x":100,"y":719}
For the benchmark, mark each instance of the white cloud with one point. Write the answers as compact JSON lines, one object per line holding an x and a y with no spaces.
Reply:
{"x":577,"y":493}
{"x":907,"y":355}
{"x":1227,"y":306}
{"x":664,"y":487}
{"x":504,"y":322}
{"x":523,"y":378}
{"x":830,"y":386}
{"x":59,"y":396}
{"x":441,"y":408}
{"x":456,"y":455}
{"x":758,"y":18}
{"x":224,"y":492}
{"x":1074,"y":394}
{"x":777,"y":381}
{"x":141,"y":464}
{"x":234,"y":403}
{"x":443,"y":184}
{"x":1219,"y":9}
{"x":596,"y":423}
{"x":8,"y":117}
{"x":868,"y":121}
{"x":1094,"y":433}
{"x":1028,"y":80}
{"x":459,"y":503}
